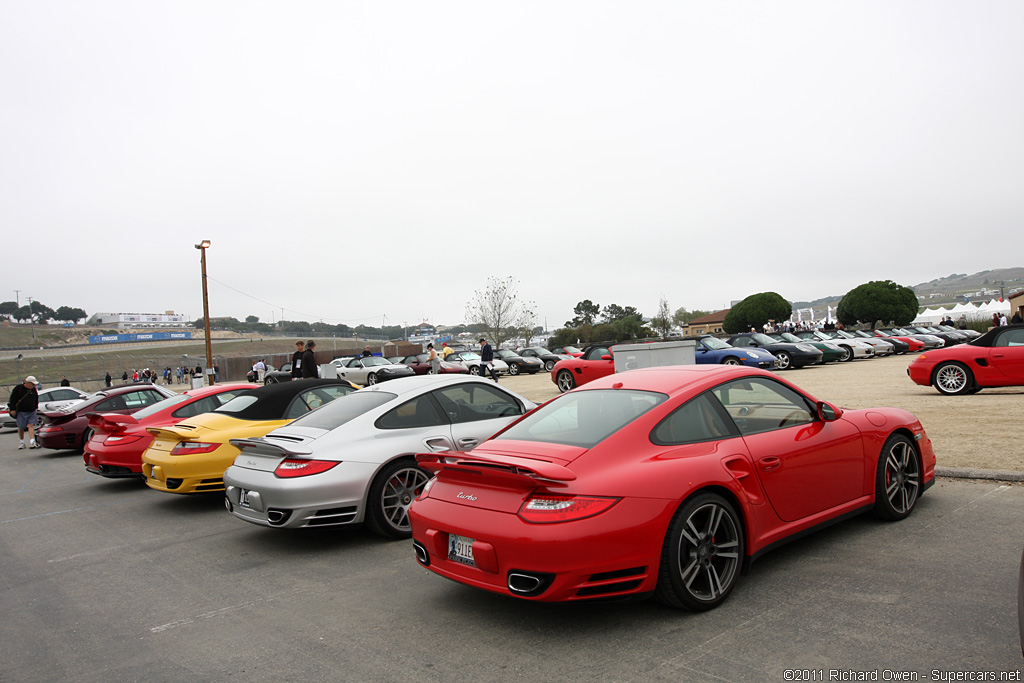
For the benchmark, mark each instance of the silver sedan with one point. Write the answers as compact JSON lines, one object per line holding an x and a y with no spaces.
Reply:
{"x":353,"y":460}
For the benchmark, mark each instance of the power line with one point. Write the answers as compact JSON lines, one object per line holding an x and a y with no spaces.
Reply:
{"x":285,"y":308}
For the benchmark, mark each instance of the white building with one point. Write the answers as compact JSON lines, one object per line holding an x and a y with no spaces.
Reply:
{"x":133,"y":320}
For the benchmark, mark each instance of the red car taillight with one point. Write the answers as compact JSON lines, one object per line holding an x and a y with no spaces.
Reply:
{"x":120,"y":440}
{"x":545,"y":509}
{"x":293,"y":467}
{"x":193,"y":447}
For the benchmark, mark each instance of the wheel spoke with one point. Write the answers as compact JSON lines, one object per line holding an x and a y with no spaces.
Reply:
{"x":714,"y":583}
{"x":690,"y":571}
{"x":692,"y":536}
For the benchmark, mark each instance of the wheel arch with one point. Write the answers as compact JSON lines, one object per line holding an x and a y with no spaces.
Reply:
{"x":410,"y":456}
{"x":956,"y":361}
{"x":729,"y":495}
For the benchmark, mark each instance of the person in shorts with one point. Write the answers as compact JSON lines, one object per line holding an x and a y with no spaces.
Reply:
{"x":25,"y":401}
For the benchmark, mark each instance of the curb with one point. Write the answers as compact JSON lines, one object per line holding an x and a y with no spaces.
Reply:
{"x":972,"y":473}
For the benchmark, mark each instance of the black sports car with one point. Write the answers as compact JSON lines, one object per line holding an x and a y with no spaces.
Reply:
{"x":787,"y":355}
{"x":519,"y":364}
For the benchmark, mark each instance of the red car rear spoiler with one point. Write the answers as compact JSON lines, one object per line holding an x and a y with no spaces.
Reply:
{"x":467,"y":468}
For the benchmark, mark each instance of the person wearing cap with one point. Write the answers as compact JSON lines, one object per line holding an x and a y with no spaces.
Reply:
{"x":25,"y":401}
{"x":309,"y":370}
{"x":446,"y":350}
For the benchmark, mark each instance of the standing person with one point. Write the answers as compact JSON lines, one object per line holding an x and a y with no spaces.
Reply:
{"x":24,"y":403}
{"x":995,"y":320}
{"x":64,"y":382}
{"x":1002,"y":320}
{"x":107,"y":379}
{"x":446,"y":350}
{"x":366,"y":352}
{"x":487,"y":360}
{"x":300,"y":348}
{"x":124,"y":376}
{"x":261,"y":370}
{"x":309,"y":369}
{"x":434,"y":360}
{"x":1016,"y":319}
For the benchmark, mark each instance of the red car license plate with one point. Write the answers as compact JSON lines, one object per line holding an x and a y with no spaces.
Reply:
{"x":460,"y":549}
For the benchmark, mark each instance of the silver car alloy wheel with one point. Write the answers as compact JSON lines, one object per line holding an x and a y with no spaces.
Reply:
{"x":400,"y":490}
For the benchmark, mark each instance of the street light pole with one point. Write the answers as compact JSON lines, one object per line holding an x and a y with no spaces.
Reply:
{"x":202,"y":247}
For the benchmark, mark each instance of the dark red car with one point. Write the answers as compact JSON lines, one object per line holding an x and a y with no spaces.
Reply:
{"x":596,"y":362}
{"x":421,"y":366}
{"x":69,"y":426}
{"x":118,"y":441}
{"x":667,"y":481}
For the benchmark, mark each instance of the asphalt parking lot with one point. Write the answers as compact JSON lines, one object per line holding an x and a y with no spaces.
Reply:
{"x":110,"y":581}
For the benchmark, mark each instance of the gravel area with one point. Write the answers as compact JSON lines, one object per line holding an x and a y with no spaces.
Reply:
{"x":976,"y":432}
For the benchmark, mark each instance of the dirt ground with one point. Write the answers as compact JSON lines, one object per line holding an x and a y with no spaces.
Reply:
{"x":981,"y":431}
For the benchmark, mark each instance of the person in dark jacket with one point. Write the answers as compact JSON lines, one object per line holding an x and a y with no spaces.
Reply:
{"x":64,"y":381}
{"x":25,"y":401}
{"x":300,"y":348}
{"x":487,"y":360}
{"x":309,"y":369}
{"x":108,"y":379}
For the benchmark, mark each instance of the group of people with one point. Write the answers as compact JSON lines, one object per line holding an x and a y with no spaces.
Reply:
{"x":486,"y":358}
{"x":1000,"y":320}
{"x":304,"y":364}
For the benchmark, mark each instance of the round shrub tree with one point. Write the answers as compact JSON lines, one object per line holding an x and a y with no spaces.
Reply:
{"x":878,"y":300}
{"x":755,"y":311}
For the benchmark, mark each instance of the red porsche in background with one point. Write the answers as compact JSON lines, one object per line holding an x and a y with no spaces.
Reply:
{"x":667,"y":481}
{"x":118,"y":441}
{"x":595,"y":361}
{"x":995,"y":359}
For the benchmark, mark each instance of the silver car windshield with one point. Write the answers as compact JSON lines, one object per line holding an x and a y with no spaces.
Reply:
{"x":343,"y":409}
{"x":585,"y":418}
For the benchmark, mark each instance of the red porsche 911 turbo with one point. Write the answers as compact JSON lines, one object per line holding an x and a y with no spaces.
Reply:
{"x":666,"y":481}
{"x":995,"y":359}
{"x":116,"y":442}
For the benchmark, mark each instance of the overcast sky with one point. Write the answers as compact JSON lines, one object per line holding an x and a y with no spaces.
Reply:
{"x":366,"y":161}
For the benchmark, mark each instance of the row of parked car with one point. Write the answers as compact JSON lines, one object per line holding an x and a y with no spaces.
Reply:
{"x":370,"y":370}
{"x":776,"y":350}
{"x":618,"y":490}
{"x":615,"y":491}
{"x":260,"y":445}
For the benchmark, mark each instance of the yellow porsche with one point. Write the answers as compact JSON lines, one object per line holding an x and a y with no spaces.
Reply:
{"x":191,"y":456}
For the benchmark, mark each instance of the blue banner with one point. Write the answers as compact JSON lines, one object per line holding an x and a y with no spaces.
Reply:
{"x":140,"y":336}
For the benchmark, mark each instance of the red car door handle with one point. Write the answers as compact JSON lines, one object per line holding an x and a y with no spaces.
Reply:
{"x":770,"y":463}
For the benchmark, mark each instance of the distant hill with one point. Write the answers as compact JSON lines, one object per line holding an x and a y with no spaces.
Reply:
{"x":951,"y":289}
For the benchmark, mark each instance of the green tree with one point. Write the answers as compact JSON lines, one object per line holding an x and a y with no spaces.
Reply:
{"x":586,"y":312}
{"x":683,"y":317}
{"x":8,"y":309}
{"x":755,"y":311}
{"x":498,"y":308}
{"x":878,"y":300}
{"x":662,"y":320}
{"x":252,"y":319}
{"x":41,"y":312}
{"x":68,"y":314}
